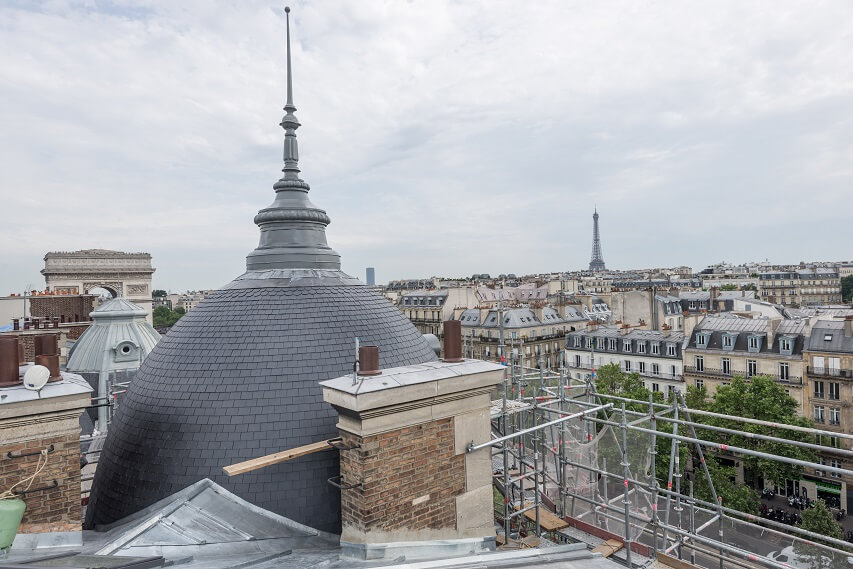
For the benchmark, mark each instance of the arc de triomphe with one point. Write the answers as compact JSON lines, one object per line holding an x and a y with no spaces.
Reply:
{"x":123,"y":274}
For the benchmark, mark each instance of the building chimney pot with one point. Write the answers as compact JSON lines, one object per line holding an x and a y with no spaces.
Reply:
{"x":45,"y":344}
{"x":848,"y":325}
{"x":452,"y":341}
{"x":51,"y":362}
{"x":9,"y":370}
{"x":22,"y":355}
{"x":16,"y":323}
{"x":368,"y":360}
{"x":56,"y":322}
{"x":62,"y":319}
{"x":36,"y":323}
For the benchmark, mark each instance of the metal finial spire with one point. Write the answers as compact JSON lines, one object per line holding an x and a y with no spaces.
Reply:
{"x":289,"y":74}
{"x":293,"y":230}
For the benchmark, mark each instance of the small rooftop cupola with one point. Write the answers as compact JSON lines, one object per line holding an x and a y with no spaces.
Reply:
{"x":293,"y":230}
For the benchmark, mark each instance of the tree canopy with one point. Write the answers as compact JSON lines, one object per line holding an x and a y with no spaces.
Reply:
{"x":847,"y":288}
{"x":165,"y":318}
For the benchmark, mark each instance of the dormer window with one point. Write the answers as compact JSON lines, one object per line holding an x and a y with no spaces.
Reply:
{"x":599,"y":343}
{"x":626,"y":345}
{"x":670,"y":349}
{"x":655,"y":348}
{"x":786,"y":346}
{"x":612,"y":344}
{"x":754,"y":343}
{"x":701,"y":340}
{"x":692,"y":305}
{"x":641,"y":347}
{"x":588,"y":343}
{"x":728,"y":341}
{"x":577,"y":341}
{"x":827,"y":337}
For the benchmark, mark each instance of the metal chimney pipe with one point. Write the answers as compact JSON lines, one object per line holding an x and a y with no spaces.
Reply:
{"x":62,"y":319}
{"x":9,"y":372}
{"x":368,"y":360}
{"x":26,"y":325}
{"x":36,"y":323}
{"x":16,"y":323}
{"x":51,"y":362}
{"x":45,"y":344}
{"x":452,"y":341}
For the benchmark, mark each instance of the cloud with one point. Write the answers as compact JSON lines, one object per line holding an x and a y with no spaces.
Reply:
{"x":441,"y":137}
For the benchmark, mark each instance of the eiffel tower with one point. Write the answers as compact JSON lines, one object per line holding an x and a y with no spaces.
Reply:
{"x":596,"y":263}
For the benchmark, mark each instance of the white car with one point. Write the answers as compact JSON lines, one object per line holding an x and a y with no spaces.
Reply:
{"x":803,"y":561}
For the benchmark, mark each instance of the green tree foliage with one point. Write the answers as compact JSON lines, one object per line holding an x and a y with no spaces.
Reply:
{"x":157,"y":293}
{"x":696,"y":397}
{"x":819,"y":520}
{"x":847,"y":289}
{"x":732,"y":495}
{"x":165,"y":318}
{"x":762,"y":398}
{"x":729,"y":287}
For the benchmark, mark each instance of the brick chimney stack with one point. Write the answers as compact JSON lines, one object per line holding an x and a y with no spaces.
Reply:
{"x":408,"y":485}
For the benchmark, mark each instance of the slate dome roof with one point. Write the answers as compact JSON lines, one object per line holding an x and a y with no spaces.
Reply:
{"x":237,"y":377}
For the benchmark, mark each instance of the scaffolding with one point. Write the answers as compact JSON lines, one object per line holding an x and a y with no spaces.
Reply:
{"x":563,"y":451}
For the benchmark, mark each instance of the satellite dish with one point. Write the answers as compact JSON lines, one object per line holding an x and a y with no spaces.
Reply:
{"x":36,"y":377}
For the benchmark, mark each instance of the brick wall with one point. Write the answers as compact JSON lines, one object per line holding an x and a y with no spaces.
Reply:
{"x":61,"y":305}
{"x":55,"y":509}
{"x":410,"y":476}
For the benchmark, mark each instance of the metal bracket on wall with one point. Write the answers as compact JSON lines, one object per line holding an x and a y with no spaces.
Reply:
{"x":54,"y":483}
{"x":338,"y":444}
{"x":337,"y":482}
{"x":18,"y":454}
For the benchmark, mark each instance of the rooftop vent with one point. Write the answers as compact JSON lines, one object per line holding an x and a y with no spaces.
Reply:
{"x":368,"y":360}
{"x":452,"y":341}
{"x":9,"y":353}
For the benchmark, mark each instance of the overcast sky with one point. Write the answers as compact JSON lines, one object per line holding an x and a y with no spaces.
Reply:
{"x":442,"y":137}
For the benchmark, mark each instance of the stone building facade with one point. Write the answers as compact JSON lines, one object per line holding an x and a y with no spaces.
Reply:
{"x":123,"y":274}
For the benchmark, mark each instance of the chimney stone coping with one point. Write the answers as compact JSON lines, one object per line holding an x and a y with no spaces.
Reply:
{"x":404,"y":376}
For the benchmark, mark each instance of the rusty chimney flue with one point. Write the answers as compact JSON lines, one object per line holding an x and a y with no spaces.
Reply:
{"x":368,"y":360}
{"x":9,"y":372}
{"x":16,"y":323}
{"x":45,"y":344}
{"x":51,"y":362}
{"x":848,"y":325}
{"x":452,"y":341}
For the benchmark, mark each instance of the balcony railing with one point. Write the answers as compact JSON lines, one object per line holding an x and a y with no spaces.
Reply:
{"x":717,"y":373}
{"x":830,"y":372}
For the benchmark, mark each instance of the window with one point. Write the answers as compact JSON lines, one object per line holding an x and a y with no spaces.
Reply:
{"x":819,"y":414}
{"x":641,"y":347}
{"x":612,"y":343}
{"x":818,"y":389}
{"x":834,"y":416}
{"x":626,"y":345}
{"x":655,"y":369}
{"x":700,"y":363}
{"x":785,"y":345}
{"x":784,"y":371}
{"x":754,"y":342}
{"x":670,"y":390}
{"x":588,"y":343}
{"x":835,"y":463}
{"x":642,"y":367}
{"x":727,"y":366}
{"x":700,"y":383}
{"x":655,"y":348}
{"x":533,"y":336}
{"x":728,"y":341}
{"x":691,"y":305}
{"x":578,"y":360}
{"x":577,"y":341}
{"x":673,"y":371}
{"x":670,"y":349}
{"x":599,"y":343}
{"x":655,"y":387}
{"x":628,"y":365}
{"x":701,"y":340}
{"x":834,"y":391}
{"x":827,"y":338}
{"x":751,"y":368}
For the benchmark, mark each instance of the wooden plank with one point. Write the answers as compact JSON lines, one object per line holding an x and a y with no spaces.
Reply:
{"x":609,"y":547}
{"x":547,"y":520}
{"x":270,"y":459}
{"x":674,"y":562}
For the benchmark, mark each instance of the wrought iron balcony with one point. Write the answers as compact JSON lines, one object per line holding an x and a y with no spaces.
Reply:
{"x":716,"y":373}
